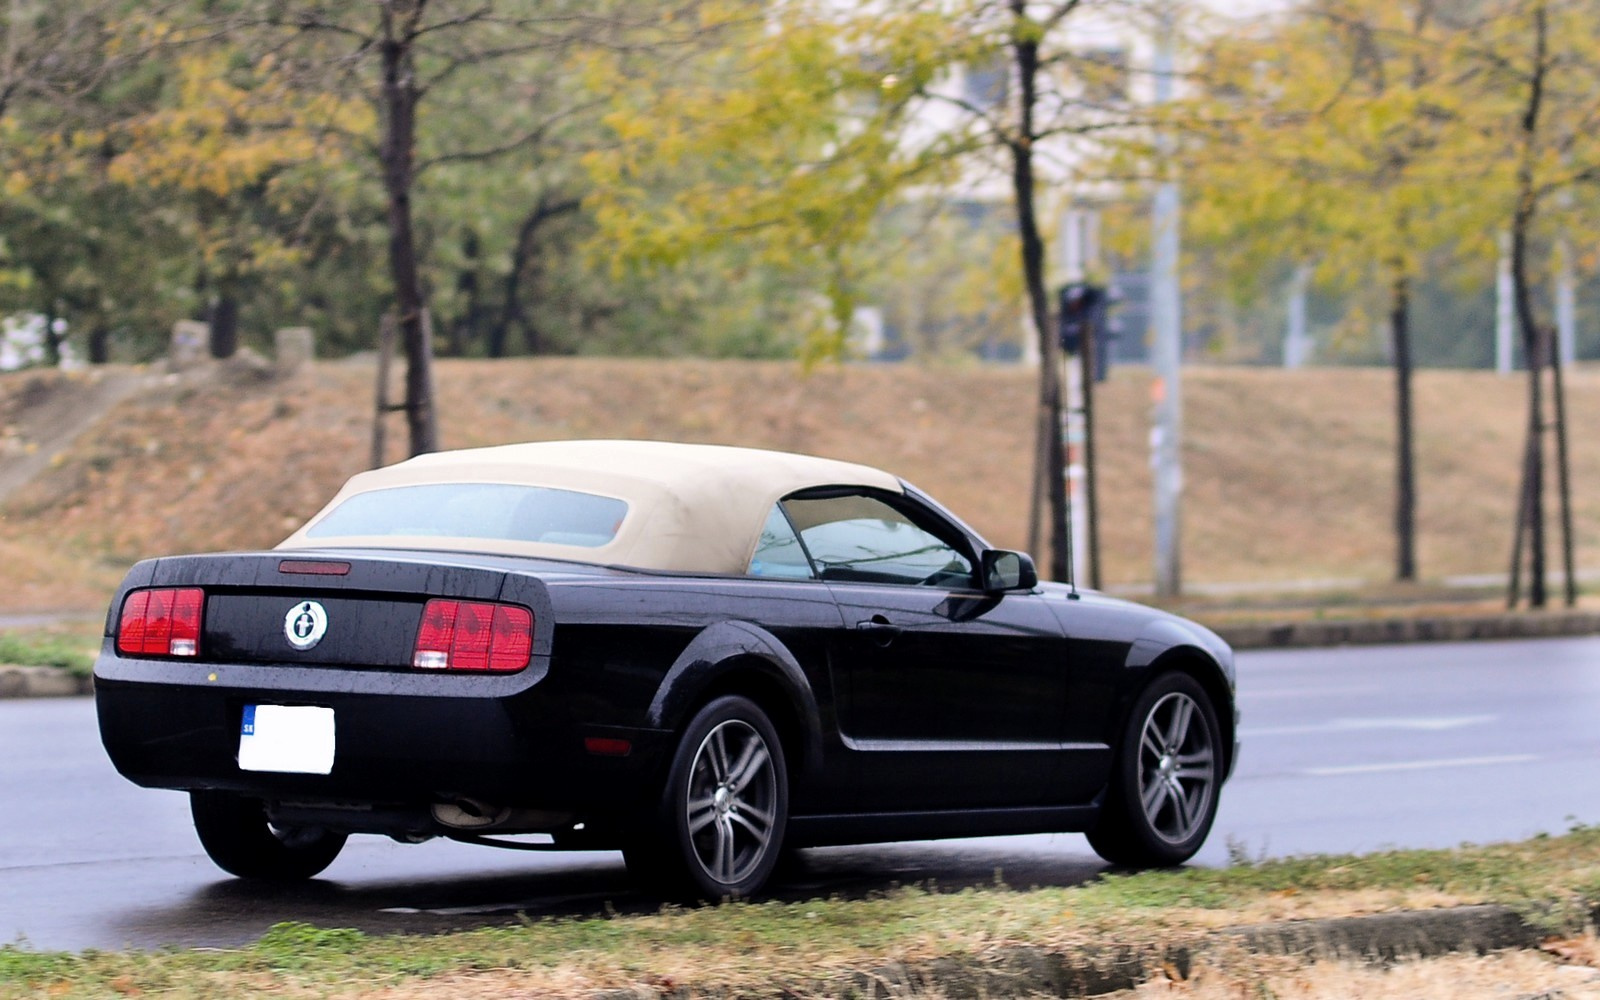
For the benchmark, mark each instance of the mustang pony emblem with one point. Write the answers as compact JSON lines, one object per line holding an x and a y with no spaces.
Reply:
{"x":305,"y":624}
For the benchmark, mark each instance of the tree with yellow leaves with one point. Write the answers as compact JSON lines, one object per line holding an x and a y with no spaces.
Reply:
{"x":1328,"y":138}
{"x":244,"y":149}
{"x":806,"y":120}
{"x":57,"y":62}
{"x":775,"y":133}
{"x":413,"y":63}
{"x":1357,"y":132}
{"x":1530,"y":127}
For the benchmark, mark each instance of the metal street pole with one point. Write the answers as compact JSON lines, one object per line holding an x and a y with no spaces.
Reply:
{"x":1073,"y":424}
{"x":1166,"y":349}
{"x":1296,"y":342}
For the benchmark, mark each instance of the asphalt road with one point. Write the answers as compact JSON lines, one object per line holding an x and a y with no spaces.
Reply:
{"x":1345,"y":750}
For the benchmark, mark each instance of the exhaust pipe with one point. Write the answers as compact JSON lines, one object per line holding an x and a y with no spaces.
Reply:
{"x":473,"y":815}
{"x":469,"y":814}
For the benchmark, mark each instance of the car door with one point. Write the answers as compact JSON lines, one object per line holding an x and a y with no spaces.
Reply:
{"x":950,"y":697}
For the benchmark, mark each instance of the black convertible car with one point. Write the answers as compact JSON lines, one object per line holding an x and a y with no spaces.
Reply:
{"x":700,"y":655}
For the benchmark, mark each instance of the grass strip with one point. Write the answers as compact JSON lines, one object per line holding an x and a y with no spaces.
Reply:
{"x":67,"y":647}
{"x":760,"y":949}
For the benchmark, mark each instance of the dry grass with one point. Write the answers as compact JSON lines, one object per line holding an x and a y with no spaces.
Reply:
{"x":1511,"y":975}
{"x":810,"y":948}
{"x":1288,"y":474}
{"x":1516,"y":974}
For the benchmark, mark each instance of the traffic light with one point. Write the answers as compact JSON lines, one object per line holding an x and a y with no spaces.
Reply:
{"x":1081,"y":310}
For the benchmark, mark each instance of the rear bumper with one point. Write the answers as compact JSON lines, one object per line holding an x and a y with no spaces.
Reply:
{"x":403,"y":742}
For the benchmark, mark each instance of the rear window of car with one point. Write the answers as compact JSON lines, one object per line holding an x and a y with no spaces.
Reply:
{"x":478,"y":510}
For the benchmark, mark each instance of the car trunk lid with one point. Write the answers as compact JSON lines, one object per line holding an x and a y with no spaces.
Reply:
{"x":331,"y":609}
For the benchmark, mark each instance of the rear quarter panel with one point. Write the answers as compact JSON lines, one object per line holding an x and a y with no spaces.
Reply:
{"x":648,"y":651}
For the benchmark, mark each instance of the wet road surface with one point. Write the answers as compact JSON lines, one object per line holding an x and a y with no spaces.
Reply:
{"x":1344,"y":750}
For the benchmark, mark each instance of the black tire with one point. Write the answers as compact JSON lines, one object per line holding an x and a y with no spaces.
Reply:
{"x":235,"y":832}
{"x":717,"y":831}
{"x":1162,"y":798}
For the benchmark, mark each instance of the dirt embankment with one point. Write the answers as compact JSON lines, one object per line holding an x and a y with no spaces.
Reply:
{"x":1288,"y":475}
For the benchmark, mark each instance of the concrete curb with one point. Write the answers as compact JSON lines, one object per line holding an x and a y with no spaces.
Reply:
{"x":1021,"y":971}
{"x":1451,"y":628}
{"x":1389,"y":937}
{"x":41,"y":682}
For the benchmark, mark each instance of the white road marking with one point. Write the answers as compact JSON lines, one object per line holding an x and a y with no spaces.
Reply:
{"x":1420,"y":765}
{"x":1251,"y":694}
{"x":1430,"y":724}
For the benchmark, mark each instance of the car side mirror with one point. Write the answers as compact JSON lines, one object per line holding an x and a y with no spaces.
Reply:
{"x":1003,"y":570}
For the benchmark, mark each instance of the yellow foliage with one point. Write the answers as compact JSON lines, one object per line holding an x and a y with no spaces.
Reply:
{"x":1362,"y":132}
{"x":781,"y":139}
{"x":228,"y":128}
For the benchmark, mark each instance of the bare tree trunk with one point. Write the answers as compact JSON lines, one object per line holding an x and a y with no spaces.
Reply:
{"x":52,"y":339}
{"x":511,"y":297}
{"x":1514,"y":586}
{"x":1558,"y":399}
{"x":223,"y":319}
{"x":100,"y":343}
{"x":511,"y":310}
{"x":1405,"y":494}
{"x":400,"y":95}
{"x":463,"y":330}
{"x":1533,"y":335}
{"x":1049,"y":457}
{"x":1533,"y":341}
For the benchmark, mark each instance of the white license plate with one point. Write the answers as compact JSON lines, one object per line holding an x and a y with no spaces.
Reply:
{"x":293,"y":739}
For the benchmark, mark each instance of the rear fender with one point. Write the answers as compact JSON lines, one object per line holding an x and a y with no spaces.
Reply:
{"x":717,"y":653}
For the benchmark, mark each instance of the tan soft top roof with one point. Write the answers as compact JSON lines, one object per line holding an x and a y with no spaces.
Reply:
{"x":691,"y":507}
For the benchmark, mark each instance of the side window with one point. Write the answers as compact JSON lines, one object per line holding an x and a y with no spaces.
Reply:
{"x":861,"y":539}
{"x":778,"y":553}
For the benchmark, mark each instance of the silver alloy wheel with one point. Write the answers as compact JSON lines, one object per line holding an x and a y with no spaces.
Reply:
{"x":1177,"y":768}
{"x":731,"y":801}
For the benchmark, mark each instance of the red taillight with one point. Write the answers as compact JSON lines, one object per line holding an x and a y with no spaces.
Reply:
{"x":513,"y":638}
{"x":473,"y":635}
{"x":162,"y":622}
